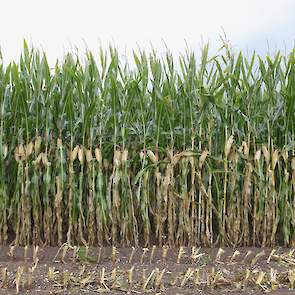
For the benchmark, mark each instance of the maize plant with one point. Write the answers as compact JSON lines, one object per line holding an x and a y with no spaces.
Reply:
{"x":188,"y":151}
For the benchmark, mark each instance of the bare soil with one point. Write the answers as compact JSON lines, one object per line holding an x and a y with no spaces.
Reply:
{"x":113,"y":274}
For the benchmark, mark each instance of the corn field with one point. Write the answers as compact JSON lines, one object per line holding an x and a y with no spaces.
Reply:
{"x":187,"y":151}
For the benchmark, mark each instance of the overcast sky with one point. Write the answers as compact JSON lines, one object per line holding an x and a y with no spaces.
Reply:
{"x":56,"y":25}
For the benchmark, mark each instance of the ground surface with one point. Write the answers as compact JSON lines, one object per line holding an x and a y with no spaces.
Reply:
{"x":205,"y":271}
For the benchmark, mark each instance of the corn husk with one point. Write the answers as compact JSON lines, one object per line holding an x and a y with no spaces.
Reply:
{"x":257,"y":156}
{"x":74,"y":154}
{"x":29,"y":149}
{"x":98,"y":155}
{"x":266,"y":153}
{"x":124,"y":156}
{"x":5,"y":150}
{"x":81,"y":155}
{"x":89,"y":157}
{"x":275,"y":159}
{"x":245,"y":149}
{"x":202,"y":158}
{"x":285,"y":155}
{"x":228,"y":145}
{"x":152,"y":156}
{"x":141,"y":155}
{"x":117,"y":157}
{"x":37,"y":144}
{"x":16,"y":155}
{"x":19,"y":153}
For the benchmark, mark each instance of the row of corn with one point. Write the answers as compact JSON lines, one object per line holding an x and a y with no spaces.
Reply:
{"x":194,"y":151}
{"x":79,"y":197}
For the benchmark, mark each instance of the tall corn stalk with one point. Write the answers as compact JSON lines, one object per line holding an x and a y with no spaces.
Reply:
{"x":162,"y":151}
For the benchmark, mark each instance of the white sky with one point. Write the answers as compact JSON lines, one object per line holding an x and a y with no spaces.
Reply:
{"x":58,"y":25}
